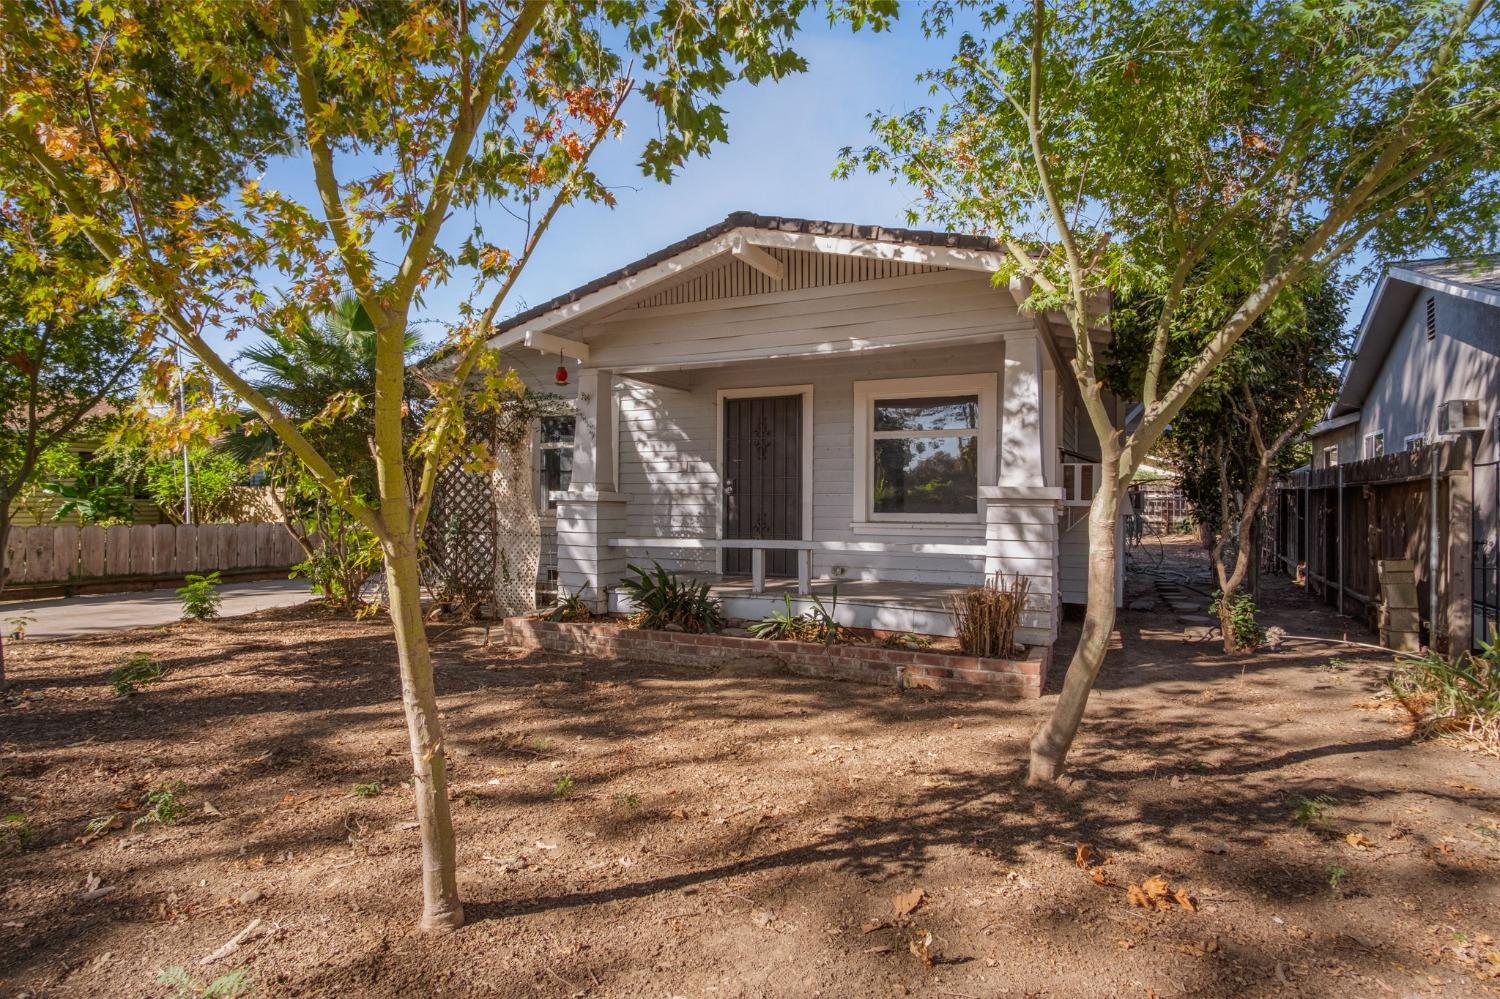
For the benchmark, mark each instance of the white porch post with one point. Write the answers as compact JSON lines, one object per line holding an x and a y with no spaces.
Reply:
{"x":591,"y":513}
{"x":1021,"y":508}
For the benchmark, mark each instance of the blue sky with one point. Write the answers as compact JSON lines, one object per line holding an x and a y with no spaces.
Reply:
{"x":784,"y":140}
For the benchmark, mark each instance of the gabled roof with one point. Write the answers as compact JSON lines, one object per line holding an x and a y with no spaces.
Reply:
{"x":1474,"y":278}
{"x":769,"y":223}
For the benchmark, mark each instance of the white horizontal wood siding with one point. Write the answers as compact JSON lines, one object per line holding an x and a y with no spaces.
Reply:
{"x":668,"y":463}
{"x":891,"y":313}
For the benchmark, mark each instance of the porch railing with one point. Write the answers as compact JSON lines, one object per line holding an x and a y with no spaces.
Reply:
{"x":804,"y":549}
{"x":1080,"y":481}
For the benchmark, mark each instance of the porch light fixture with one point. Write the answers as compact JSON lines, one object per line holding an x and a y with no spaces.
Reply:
{"x":562,"y":370}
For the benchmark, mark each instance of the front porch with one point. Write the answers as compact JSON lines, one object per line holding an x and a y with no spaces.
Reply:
{"x":867,"y":604}
{"x":786,"y":408}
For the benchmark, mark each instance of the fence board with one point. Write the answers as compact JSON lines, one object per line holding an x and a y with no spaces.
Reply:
{"x":185,"y":558}
{"x":15,"y":554}
{"x":64,"y":553}
{"x":91,"y":551}
{"x":142,"y":551}
{"x":163,"y":549}
{"x":117,"y":550}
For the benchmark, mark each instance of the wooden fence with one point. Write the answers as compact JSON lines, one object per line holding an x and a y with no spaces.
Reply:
{"x":1332,"y":525}
{"x":49,"y":556}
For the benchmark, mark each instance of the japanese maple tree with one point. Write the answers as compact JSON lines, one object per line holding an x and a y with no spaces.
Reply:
{"x":1208,"y":152}
{"x":442,"y":138}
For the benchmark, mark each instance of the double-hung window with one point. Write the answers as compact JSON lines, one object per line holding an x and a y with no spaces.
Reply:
{"x":1375,"y":444}
{"x":926,"y":444}
{"x":556,"y":449}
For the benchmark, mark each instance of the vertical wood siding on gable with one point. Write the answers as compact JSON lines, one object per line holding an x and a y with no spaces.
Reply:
{"x":733,"y":278}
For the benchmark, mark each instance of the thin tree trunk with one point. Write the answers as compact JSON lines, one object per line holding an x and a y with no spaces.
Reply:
{"x":441,"y":907}
{"x":4,"y":571}
{"x":1050,"y":744}
{"x":1230,"y":582}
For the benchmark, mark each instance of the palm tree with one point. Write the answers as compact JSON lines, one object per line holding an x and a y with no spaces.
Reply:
{"x":319,"y":373}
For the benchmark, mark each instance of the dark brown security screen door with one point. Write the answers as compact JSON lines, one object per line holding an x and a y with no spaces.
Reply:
{"x":763,"y":478}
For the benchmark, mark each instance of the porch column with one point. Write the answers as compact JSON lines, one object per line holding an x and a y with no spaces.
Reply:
{"x":591,"y":513}
{"x":1021,"y":509}
{"x":1028,"y":403}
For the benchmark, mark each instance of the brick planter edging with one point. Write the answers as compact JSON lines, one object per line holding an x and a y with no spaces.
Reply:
{"x":863,"y":663}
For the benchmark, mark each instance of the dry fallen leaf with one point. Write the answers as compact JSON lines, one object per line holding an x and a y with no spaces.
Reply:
{"x":907,"y":902}
{"x":871,"y":925}
{"x":1099,"y":876}
{"x":1137,"y":897}
{"x":1156,"y":887}
{"x":922,"y":946}
{"x":1185,"y":900}
{"x":1083,"y":856}
{"x":1359,"y":841}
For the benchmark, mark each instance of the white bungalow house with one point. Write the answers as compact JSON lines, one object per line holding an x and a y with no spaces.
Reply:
{"x":787,"y":406}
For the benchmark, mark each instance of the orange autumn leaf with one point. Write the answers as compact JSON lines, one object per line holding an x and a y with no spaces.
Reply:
{"x":1082,"y":855}
{"x":1156,"y":887}
{"x":1185,"y":900}
{"x":1098,"y":876}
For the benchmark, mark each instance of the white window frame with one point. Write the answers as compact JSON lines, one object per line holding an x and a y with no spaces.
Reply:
{"x":984,"y":385}
{"x":1331,"y":456}
{"x":546,"y":499}
{"x":1414,"y":441}
{"x":1371,"y":441}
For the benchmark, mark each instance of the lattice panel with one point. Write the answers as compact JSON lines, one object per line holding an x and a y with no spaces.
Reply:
{"x":460,"y":539}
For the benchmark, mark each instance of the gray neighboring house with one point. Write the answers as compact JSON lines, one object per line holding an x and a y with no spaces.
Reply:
{"x":1426,"y":364}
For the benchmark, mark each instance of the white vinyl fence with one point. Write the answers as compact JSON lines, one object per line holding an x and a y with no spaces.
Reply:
{"x":49,"y":555}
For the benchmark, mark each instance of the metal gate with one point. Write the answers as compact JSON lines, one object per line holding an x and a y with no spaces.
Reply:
{"x":1486,"y":563}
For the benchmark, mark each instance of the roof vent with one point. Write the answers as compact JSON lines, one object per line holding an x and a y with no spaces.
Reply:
{"x":1460,"y":415}
{"x":1431,"y":318}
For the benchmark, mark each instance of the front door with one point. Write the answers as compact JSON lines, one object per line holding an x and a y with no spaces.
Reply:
{"x":763,"y":478}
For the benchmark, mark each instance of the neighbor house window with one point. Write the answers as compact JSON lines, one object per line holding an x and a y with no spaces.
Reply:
{"x":926,"y":445}
{"x":1416,"y":441}
{"x":557,"y":456}
{"x":1374,"y":445}
{"x":1331,"y":456}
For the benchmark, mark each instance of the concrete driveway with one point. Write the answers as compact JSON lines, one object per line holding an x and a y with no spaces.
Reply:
{"x":69,"y":617}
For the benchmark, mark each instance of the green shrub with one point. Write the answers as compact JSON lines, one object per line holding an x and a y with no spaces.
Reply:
{"x":1243,"y":628}
{"x":200,"y":597}
{"x":785,"y":623}
{"x":570,"y":608}
{"x":562,"y":787}
{"x":1459,"y":698}
{"x":370,"y":790}
{"x":663,"y":599}
{"x":15,"y":833}
{"x":137,"y":671}
{"x":1308,"y":812}
{"x":185,"y":986}
{"x":164,"y":805}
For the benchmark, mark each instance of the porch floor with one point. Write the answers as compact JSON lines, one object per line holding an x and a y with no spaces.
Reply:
{"x":920,"y":608}
{"x":874,"y":592}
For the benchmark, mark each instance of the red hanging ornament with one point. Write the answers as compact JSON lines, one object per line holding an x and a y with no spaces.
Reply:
{"x":562,"y":370}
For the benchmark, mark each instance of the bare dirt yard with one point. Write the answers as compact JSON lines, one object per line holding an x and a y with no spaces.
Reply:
{"x":629,"y":829}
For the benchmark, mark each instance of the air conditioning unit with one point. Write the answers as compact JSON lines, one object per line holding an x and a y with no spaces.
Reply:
{"x":1460,"y":416}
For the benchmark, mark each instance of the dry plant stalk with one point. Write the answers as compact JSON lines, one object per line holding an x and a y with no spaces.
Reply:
{"x":986,"y":617}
